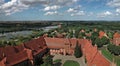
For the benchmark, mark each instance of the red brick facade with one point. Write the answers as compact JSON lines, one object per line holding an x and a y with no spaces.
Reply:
{"x":116,"y":39}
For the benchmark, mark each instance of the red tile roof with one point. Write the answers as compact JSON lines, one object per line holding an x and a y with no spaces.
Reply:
{"x":92,"y":55}
{"x":101,"y":34}
{"x":40,"y":44}
{"x":19,"y":47}
{"x":1,"y":54}
{"x":59,"y":42}
{"x":36,"y":45}
{"x":2,"y":62}
{"x":11,"y":50}
{"x":116,"y":35}
{"x":16,"y":58}
{"x":116,"y":39}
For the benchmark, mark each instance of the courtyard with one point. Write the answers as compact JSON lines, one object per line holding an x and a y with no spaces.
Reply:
{"x":63,"y":58}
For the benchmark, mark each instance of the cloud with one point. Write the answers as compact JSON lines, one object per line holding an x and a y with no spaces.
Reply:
{"x":118,"y":10}
{"x":104,"y":14}
{"x":51,"y":13}
{"x":75,"y":9}
{"x":54,"y":7}
{"x":114,"y":3}
{"x":14,"y":6}
{"x":32,"y":2}
{"x":71,"y":10}
{"x":79,"y":13}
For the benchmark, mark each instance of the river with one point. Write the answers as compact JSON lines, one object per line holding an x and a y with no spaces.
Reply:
{"x":23,"y":33}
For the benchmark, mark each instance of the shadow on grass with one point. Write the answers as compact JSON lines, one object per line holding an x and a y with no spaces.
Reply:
{"x":58,"y":64}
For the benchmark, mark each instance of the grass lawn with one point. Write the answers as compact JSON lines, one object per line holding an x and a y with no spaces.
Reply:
{"x":117,"y":60}
{"x":107,"y":54}
{"x":110,"y":57}
{"x":71,"y":63}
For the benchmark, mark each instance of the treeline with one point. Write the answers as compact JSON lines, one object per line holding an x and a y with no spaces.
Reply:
{"x":20,"y":26}
{"x":102,"y":25}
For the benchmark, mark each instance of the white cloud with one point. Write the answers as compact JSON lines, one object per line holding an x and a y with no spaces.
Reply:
{"x":51,"y":13}
{"x":14,"y":6}
{"x":118,"y":10}
{"x":54,"y":7}
{"x":114,"y":3}
{"x":71,"y":10}
{"x":75,"y":9}
{"x":9,"y":4}
{"x":79,"y":13}
{"x":104,"y":14}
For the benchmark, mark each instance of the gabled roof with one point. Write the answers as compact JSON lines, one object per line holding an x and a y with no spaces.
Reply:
{"x":9,"y":50}
{"x":92,"y":55}
{"x":99,"y":60}
{"x":1,"y":54}
{"x":19,"y":47}
{"x":57,"y":43}
{"x":17,"y":58}
{"x":116,"y":35}
{"x":101,"y":34}
{"x":36,"y":45}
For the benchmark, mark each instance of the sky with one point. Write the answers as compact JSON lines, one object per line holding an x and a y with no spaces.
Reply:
{"x":55,"y":10}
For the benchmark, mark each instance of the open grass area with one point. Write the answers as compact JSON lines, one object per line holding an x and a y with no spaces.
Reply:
{"x":110,"y":57}
{"x":107,"y":54}
{"x":117,"y":60}
{"x":71,"y":63}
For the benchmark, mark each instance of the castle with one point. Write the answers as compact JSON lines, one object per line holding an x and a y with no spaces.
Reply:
{"x":31,"y":52}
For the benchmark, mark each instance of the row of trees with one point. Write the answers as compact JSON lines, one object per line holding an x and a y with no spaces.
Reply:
{"x":114,"y":49}
{"x":101,"y":41}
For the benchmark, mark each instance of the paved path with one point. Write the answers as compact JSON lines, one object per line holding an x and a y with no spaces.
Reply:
{"x":64,"y":58}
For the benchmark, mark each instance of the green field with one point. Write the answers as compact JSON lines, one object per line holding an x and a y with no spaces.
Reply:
{"x":117,"y":60}
{"x":71,"y":63}
{"x":107,"y":54}
{"x":110,"y":57}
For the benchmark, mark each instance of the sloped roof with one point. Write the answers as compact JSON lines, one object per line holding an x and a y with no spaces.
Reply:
{"x":57,"y":43}
{"x":92,"y":55}
{"x":99,"y":60}
{"x":1,"y":54}
{"x":36,"y":45}
{"x":116,"y":35}
{"x":9,"y":50}
{"x":19,"y":47}
{"x":101,"y":34}
{"x":17,"y":58}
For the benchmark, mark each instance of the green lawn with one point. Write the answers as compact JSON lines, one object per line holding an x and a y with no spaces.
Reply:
{"x":107,"y":54}
{"x":71,"y":63}
{"x":110,"y":57}
{"x":117,"y":60}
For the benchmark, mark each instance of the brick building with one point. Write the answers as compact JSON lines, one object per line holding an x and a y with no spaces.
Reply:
{"x":32,"y":51}
{"x":116,"y":38}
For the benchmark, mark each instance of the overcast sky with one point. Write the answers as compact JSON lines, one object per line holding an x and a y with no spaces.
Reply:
{"x":20,"y":10}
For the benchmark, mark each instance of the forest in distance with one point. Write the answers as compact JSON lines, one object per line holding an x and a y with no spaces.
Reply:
{"x":13,"y":26}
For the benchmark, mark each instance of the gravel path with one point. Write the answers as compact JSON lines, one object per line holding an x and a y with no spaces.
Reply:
{"x":64,"y":58}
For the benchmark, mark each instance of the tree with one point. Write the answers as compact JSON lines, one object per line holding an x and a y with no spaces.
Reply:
{"x":48,"y":61}
{"x":93,"y":37}
{"x":78,"y":51}
{"x":101,"y":41}
{"x":114,"y":49}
